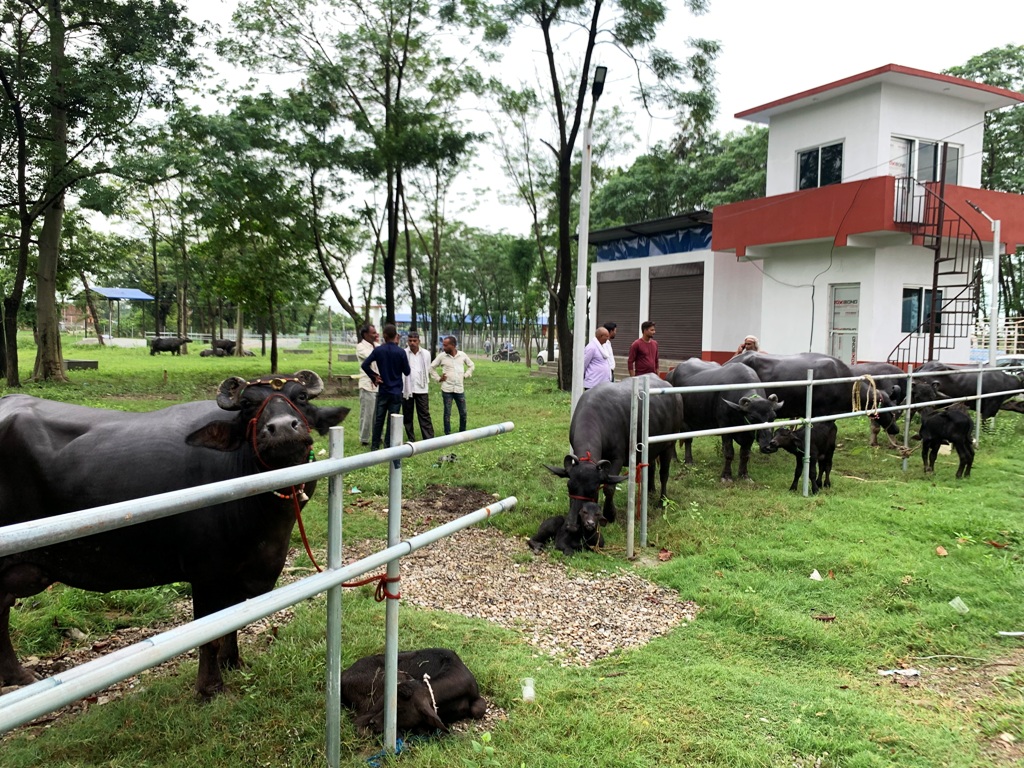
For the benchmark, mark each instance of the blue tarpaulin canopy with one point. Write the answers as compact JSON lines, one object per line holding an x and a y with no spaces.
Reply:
{"x":131,"y":294}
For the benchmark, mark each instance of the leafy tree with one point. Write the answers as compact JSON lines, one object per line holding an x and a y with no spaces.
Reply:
{"x":661,"y":184}
{"x":387,"y":61}
{"x":630,"y":26}
{"x":1003,"y":165}
{"x":73,"y":79}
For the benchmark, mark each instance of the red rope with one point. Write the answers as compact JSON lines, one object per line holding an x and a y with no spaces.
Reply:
{"x":639,"y":488}
{"x":381,"y":593}
{"x":302,"y":529}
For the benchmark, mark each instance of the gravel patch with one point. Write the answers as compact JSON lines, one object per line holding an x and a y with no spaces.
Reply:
{"x":577,"y":619}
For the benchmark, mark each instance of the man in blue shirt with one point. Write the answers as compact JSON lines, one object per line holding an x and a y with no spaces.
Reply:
{"x":392,"y":363}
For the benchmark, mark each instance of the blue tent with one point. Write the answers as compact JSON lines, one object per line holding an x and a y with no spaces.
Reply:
{"x":117,"y":294}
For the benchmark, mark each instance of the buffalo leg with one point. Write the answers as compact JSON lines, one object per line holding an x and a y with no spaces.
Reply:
{"x":666,"y":465}
{"x":745,"y":442}
{"x":688,"y":450}
{"x":608,"y":512}
{"x":547,"y":531}
{"x":11,"y":672}
{"x":875,"y":428}
{"x":728,"y":454}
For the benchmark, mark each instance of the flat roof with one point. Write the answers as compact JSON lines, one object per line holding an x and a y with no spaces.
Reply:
{"x":133,"y":294}
{"x":988,"y":96}
{"x":653,"y":227}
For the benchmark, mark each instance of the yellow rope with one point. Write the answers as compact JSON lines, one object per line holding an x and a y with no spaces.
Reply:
{"x":874,"y":399}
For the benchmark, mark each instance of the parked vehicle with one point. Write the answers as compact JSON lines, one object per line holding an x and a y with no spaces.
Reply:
{"x":509,"y":355}
{"x":542,"y":356}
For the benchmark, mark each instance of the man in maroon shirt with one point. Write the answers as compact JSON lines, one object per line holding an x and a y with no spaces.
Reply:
{"x":643,"y":353}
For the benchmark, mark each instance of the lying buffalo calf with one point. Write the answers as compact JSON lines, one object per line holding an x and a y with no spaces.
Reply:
{"x":823,"y":445}
{"x":588,"y":537}
{"x":435,"y":689}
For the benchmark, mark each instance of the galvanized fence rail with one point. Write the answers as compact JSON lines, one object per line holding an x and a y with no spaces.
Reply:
{"x":640,"y":425}
{"x":24,"y":704}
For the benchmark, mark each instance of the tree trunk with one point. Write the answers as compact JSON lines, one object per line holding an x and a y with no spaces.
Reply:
{"x":564,"y":274}
{"x":49,"y":359}
{"x":239,"y":333}
{"x":91,"y":306}
{"x":273,"y":333}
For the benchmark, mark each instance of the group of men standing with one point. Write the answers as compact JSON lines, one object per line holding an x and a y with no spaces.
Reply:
{"x":393,"y":379}
{"x":599,"y":360}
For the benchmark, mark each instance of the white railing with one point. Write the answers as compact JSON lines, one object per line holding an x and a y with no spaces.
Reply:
{"x":31,"y":701}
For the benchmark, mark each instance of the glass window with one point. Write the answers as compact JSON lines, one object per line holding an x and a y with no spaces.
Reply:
{"x":952,"y":164}
{"x":927,"y":161}
{"x":923,"y":159}
{"x":917,"y":307}
{"x":820,"y":166}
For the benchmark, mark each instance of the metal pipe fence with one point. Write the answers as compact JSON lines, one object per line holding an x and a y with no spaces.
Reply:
{"x":642,"y":393}
{"x":24,"y":704}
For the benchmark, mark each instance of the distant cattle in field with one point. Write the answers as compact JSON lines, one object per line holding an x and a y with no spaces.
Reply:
{"x":226,"y":345}
{"x":172,"y":344}
{"x":823,"y":446}
{"x":212,"y":353}
{"x":601,"y":443}
{"x":435,"y":689}
{"x":570,"y":542}
{"x":60,"y":458}
{"x":950,"y":424}
{"x":725,"y":408}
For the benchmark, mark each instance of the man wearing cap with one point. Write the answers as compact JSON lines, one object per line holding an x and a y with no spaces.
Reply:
{"x":415,"y":392}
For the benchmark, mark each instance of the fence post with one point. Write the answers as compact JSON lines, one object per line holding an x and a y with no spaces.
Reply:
{"x":391,"y":605}
{"x":808,"y":413}
{"x":631,"y":483}
{"x":908,"y":416}
{"x":977,"y":410}
{"x":647,"y":473}
{"x":335,"y":503}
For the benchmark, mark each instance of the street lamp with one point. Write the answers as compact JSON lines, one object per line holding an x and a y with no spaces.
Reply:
{"x":994,"y":311}
{"x":579,"y":340}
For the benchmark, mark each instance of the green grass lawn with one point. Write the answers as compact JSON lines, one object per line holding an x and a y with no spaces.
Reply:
{"x":756,"y":680}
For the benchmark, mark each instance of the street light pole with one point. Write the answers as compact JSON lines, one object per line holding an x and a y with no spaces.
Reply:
{"x":579,"y":340}
{"x":994,"y":290}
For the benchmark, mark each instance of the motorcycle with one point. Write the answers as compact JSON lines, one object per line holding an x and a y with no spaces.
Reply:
{"x":508,"y":355}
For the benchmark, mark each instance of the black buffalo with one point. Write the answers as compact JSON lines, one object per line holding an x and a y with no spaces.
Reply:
{"x":569,"y":542}
{"x":892,"y":388}
{"x":60,"y":458}
{"x":827,"y":399}
{"x":172,"y":344}
{"x":823,"y":446}
{"x":226,"y":345}
{"x":731,"y":408}
{"x":435,"y":689}
{"x":600,"y":440}
{"x":955,"y":383}
{"x":946,"y":424}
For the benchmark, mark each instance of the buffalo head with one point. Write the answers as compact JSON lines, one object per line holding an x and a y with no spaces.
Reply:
{"x":586,"y":479}
{"x":275,"y":417}
{"x":758,"y":410}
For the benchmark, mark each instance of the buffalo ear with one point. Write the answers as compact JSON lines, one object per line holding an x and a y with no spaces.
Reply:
{"x":556,"y":470}
{"x":897,"y":390}
{"x":230,"y":392}
{"x":614,"y":479}
{"x":329,"y":417}
{"x":218,"y":435}
{"x":737,"y":407}
{"x":429,"y":715}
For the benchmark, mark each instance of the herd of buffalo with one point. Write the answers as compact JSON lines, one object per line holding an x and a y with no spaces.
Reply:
{"x":60,"y":458}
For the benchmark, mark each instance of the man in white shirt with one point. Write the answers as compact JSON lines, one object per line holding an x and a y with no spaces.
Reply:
{"x":609,"y":355}
{"x":455,"y":367}
{"x":595,"y":365}
{"x":415,"y":391}
{"x":368,"y":340}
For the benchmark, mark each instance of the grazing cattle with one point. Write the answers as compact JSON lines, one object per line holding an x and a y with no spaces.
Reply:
{"x":600,"y":440}
{"x":827,"y":399}
{"x":892,"y":388}
{"x":435,"y":689}
{"x":571,"y":542}
{"x":959,"y":384}
{"x":212,"y":353}
{"x":172,"y":344}
{"x":951,"y":424}
{"x":226,"y":345}
{"x":732,"y":408}
{"x":61,"y":458}
{"x":823,"y":446}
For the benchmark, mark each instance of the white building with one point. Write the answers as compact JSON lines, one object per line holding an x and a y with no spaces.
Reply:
{"x":840,"y":257}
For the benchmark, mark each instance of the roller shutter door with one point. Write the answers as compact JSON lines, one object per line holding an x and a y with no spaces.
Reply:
{"x":618,"y":300}
{"x":677,"y":308}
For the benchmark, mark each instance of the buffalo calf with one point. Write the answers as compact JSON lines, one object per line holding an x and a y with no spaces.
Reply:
{"x":823,"y":446}
{"x":435,"y":689}
{"x":570,"y":542}
{"x":951,"y":425}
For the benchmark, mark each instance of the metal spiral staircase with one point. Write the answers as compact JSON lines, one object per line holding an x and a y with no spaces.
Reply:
{"x":956,"y":276}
